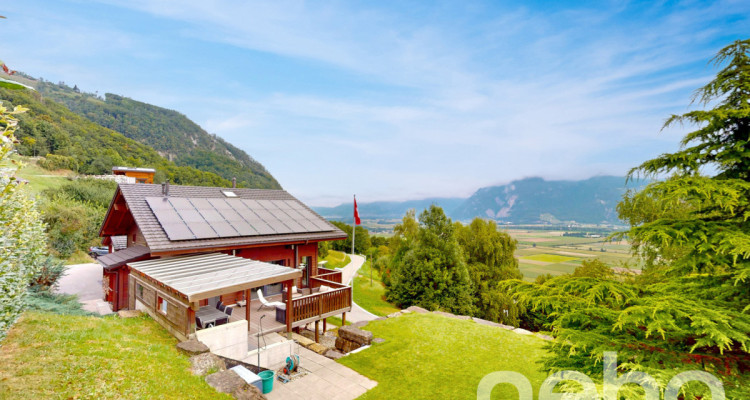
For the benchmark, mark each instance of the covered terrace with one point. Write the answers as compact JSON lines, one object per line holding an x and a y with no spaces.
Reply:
{"x":174,"y":290}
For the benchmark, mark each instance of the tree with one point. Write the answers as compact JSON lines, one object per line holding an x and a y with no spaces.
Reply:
{"x":430,"y":270}
{"x":595,"y":268}
{"x":22,"y":234}
{"x":489,"y":255}
{"x":690,"y":308}
{"x":362,"y":239}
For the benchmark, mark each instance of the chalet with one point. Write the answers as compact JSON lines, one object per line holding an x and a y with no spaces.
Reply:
{"x":179,"y":252}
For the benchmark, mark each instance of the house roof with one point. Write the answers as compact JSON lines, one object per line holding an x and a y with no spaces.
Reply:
{"x":199,"y":277}
{"x":131,"y":169}
{"x":122,"y":257}
{"x":138,"y":196}
{"x":119,"y":242}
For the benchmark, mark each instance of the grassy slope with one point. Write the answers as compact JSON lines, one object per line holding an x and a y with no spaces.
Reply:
{"x":337,"y":259}
{"x":428,"y":356}
{"x":371,"y":296}
{"x":62,"y":356}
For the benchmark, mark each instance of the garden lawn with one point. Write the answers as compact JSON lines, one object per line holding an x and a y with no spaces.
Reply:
{"x":371,"y":297}
{"x":337,"y":259}
{"x":62,"y":356}
{"x":429,"y":356}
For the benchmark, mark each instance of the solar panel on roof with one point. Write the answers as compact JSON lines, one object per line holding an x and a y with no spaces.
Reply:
{"x":177,"y":231}
{"x":206,"y":218}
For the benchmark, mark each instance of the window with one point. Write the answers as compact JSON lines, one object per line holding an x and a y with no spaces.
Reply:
{"x":228,"y":193}
{"x":162,"y":305}
{"x":139,"y":290}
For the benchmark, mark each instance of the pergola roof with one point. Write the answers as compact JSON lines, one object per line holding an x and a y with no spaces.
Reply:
{"x":199,"y":277}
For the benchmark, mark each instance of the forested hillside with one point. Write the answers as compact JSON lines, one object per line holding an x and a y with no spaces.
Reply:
{"x":88,"y":148}
{"x":172,"y":134}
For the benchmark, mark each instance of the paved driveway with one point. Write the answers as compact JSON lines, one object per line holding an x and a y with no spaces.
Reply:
{"x":357,"y":313}
{"x":85,"y":280}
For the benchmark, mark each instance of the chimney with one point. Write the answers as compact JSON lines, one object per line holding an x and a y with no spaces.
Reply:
{"x":234,"y":182}
{"x":165,"y":188}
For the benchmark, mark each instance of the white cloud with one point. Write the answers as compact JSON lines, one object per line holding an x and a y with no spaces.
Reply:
{"x":444,"y":101}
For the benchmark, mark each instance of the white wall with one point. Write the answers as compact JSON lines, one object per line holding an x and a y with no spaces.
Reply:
{"x":229,"y":340}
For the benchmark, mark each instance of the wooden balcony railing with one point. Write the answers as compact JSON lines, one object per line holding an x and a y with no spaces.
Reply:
{"x":329,"y":275}
{"x":322,"y":305}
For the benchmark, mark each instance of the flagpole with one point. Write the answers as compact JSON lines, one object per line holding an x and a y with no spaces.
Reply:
{"x":354,"y":223}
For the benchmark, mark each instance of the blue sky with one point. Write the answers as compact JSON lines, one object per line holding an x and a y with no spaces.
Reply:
{"x":395,"y":100}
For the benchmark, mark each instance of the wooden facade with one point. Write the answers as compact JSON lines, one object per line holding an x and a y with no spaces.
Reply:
{"x":129,"y":215}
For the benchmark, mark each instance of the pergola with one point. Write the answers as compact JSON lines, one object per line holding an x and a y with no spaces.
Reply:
{"x":190,"y":279}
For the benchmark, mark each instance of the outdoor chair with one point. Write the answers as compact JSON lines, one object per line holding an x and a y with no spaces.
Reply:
{"x":266,"y":303}
{"x":222,"y":321}
{"x":228,"y":311}
{"x":220,"y":306}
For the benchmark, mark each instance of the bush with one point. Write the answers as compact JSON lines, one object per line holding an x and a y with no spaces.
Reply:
{"x":46,"y":277}
{"x":55,"y":303}
{"x":53,"y":162}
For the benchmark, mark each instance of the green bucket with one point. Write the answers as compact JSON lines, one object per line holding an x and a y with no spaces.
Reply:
{"x":267,"y":378}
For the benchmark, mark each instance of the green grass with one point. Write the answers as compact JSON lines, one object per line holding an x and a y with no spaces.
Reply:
{"x":337,"y":259}
{"x":336,"y":321}
{"x":428,"y":356}
{"x":550,"y":258}
{"x":371,"y":297}
{"x":62,"y":356}
{"x":40,"y":178}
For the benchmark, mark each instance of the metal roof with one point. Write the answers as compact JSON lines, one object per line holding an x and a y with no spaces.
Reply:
{"x":199,"y":277}
{"x":132,"y":169}
{"x":124,"y":256}
{"x":159,"y":242}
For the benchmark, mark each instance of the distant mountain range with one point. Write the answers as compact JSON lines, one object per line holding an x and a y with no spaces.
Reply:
{"x":525,"y":201}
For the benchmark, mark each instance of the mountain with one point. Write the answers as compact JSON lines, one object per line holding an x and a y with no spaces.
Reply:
{"x":70,"y":141}
{"x":525,"y":201}
{"x":171,"y":134}
{"x":385,"y":209}
{"x":535,"y":200}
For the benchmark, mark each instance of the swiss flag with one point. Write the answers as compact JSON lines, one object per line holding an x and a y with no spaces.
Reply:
{"x":356,"y":213}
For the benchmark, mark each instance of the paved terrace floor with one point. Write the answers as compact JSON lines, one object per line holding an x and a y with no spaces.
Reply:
{"x":326,"y":380}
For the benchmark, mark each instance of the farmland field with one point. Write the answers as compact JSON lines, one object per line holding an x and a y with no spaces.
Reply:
{"x":543,"y":252}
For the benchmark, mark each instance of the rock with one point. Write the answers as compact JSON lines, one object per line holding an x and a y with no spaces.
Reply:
{"x":508,"y":327}
{"x":394,"y":315}
{"x":485,"y":322}
{"x":226,"y":381}
{"x":206,"y":362}
{"x":545,"y":337}
{"x":192,"y":347}
{"x":359,"y":324}
{"x":405,"y":311}
{"x":248,"y":392}
{"x":303,"y":341}
{"x":346,"y":346}
{"x":129,"y":313}
{"x":333,"y":354}
{"x":355,"y":335}
{"x":449,"y":315}
{"x":378,"y":340}
{"x":417,"y":309}
{"x":318,"y":348}
{"x":522,"y":331}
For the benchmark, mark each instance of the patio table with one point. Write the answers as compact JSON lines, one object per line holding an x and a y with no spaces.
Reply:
{"x":210,"y":315}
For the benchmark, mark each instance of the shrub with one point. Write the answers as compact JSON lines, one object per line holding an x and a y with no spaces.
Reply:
{"x":53,"y":162}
